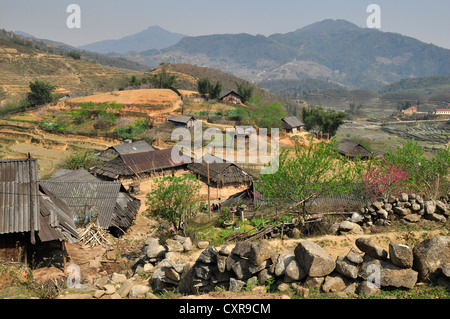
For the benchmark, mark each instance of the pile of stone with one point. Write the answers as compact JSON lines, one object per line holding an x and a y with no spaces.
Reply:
{"x":409,"y":208}
{"x":119,"y":285}
{"x":364,"y":270}
{"x":153,"y":252}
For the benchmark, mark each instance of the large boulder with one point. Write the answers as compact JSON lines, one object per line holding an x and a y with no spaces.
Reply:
{"x":430,"y":255}
{"x":155,"y":251}
{"x":399,"y":278}
{"x":401,"y":255}
{"x":314,"y":259}
{"x":371,"y":248}
{"x":260,"y":252}
{"x":347,"y":268}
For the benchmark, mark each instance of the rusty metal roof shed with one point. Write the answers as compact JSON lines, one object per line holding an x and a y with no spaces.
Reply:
{"x":19,"y":196}
{"x":154,"y":161}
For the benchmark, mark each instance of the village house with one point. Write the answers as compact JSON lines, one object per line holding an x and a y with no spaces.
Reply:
{"x":292,"y":124}
{"x":230,"y":97}
{"x":31,"y":216}
{"x":88,"y":197}
{"x":221,"y":173}
{"x":442,"y":112}
{"x":132,"y":167}
{"x":352,"y":150}
{"x":182,"y":120}
{"x":125,"y":148}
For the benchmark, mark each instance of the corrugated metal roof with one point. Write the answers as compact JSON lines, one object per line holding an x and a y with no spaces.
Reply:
{"x":80,"y":175}
{"x":133,"y":148}
{"x":99,"y":198}
{"x":292,"y":121}
{"x":153,"y":161}
{"x":181,"y":118}
{"x":19,"y":196}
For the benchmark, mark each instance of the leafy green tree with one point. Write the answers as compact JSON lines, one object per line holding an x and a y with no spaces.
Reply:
{"x":207,"y":89}
{"x":313,"y":170}
{"x":203,"y":86}
{"x":41,"y":93}
{"x":174,"y":199}
{"x":245,"y":90}
{"x":74,"y":55}
{"x":214,"y":92}
{"x":163,"y":79}
{"x":317,"y":118}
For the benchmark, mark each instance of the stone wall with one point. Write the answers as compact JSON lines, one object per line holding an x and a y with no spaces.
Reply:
{"x":408,"y":208}
{"x":364,"y":270}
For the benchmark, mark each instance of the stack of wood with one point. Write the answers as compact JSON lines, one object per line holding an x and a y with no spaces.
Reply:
{"x":93,"y":235}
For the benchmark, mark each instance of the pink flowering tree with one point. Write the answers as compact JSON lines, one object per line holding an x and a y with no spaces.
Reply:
{"x":385,"y":178}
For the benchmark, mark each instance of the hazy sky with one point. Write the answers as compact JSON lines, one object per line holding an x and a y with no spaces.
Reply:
{"x":427,"y":21}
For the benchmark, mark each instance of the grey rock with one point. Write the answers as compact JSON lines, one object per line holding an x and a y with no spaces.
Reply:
{"x":357,"y":217}
{"x":282,"y":262}
{"x":367,"y":289}
{"x":242,"y":249}
{"x":440,"y":207}
{"x":435,"y":217}
{"x":156,"y":251}
{"x":349,"y":227}
{"x":347,"y":268}
{"x":125,"y":288}
{"x":187,"y":244}
{"x":369,"y":246}
{"x":333,"y":284}
{"x":402,"y":211}
{"x":171,"y":273}
{"x":221,"y":263}
{"x":241,"y":269}
{"x":226,"y":250}
{"x":431,"y":254}
{"x":152,"y":241}
{"x":260,"y":252}
{"x":401,"y":255}
{"x":118,"y":278}
{"x":404,"y":197}
{"x":314,"y":282}
{"x":314,"y":259}
{"x":412,"y":218}
{"x":138,"y":290}
{"x":294,"y":271}
{"x":208,"y":256}
{"x":263,"y":276}
{"x":429,"y":207}
{"x":399,"y":278}
{"x":354,"y":256}
{"x":236,"y":285}
{"x":202,"y":244}
{"x":174,"y":245}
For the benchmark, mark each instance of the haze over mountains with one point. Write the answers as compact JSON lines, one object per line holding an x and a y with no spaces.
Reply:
{"x":333,"y":51}
{"x":153,"y":37}
{"x":329,"y":50}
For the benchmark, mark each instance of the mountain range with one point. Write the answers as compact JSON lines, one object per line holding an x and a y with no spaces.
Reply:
{"x":330,"y":50}
{"x":154,"y":37}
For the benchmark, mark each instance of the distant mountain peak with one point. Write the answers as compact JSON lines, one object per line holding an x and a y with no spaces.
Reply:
{"x":329,"y":25}
{"x":154,"y":37}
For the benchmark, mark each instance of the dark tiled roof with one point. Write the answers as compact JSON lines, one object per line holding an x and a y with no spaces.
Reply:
{"x":220,"y":171}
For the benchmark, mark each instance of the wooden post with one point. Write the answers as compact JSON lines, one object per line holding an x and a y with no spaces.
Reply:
{"x":209,"y":200}
{"x":63,"y":250}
